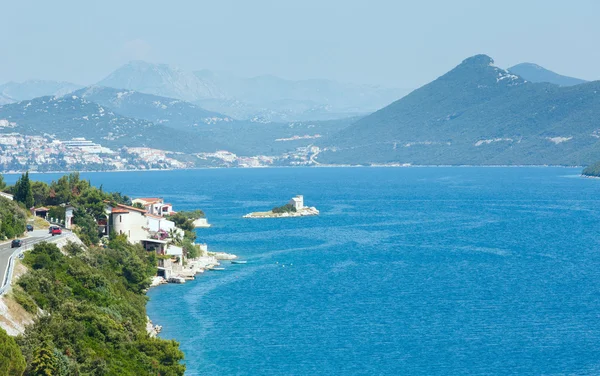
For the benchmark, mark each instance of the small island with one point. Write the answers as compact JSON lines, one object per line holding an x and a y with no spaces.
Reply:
{"x":294,"y":208}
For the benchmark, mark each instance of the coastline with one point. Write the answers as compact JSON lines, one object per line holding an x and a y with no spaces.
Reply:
{"x":275,"y":167}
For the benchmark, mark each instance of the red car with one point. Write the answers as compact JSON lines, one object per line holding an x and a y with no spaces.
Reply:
{"x":55,"y":230}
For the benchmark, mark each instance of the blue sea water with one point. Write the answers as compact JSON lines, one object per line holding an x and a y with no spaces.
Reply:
{"x":418,"y":271}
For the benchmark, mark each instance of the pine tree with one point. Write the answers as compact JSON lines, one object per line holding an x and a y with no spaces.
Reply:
{"x":28,"y":192}
{"x":44,"y":361}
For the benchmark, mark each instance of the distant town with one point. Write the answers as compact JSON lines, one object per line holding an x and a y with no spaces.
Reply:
{"x":46,"y":153}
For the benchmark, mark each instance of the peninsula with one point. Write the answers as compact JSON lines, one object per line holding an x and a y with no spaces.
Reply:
{"x":294,"y":208}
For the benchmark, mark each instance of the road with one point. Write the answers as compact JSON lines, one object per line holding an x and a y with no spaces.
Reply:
{"x":33,"y":237}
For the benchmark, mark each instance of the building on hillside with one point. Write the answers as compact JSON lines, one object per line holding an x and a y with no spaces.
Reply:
{"x":158,"y":223}
{"x":155,"y":205}
{"x":40,"y":212}
{"x":167,"y":266}
{"x":297,"y":202}
{"x":69,"y":216}
{"x":7,"y":196}
{"x":137,"y":224}
{"x":127,"y":220}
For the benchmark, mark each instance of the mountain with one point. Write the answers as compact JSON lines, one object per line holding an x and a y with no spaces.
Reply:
{"x":161,"y":80}
{"x":477,"y":114}
{"x":172,"y":112}
{"x":275,"y":99}
{"x":535,"y":73}
{"x":4,"y":99}
{"x":263,"y":98}
{"x":18,"y":91}
{"x":68,"y":117}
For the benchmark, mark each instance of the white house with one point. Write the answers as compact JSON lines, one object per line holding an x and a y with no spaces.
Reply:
{"x":128,"y":220}
{"x":297,"y":202}
{"x":155,"y":205}
{"x":157,"y":223}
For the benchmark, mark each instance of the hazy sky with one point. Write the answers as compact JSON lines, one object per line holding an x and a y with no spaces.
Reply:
{"x":393,"y":42}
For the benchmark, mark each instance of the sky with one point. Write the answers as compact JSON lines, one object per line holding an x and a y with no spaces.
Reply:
{"x":385,"y":42}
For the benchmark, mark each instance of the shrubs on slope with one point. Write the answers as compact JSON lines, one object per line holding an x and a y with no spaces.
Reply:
{"x":12,"y":219}
{"x":96,"y":317}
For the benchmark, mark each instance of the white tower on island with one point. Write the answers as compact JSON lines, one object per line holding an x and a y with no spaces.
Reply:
{"x":297,"y":202}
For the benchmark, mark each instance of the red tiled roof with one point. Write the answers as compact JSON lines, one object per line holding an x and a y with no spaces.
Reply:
{"x":119,"y":210}
{"x":42,"y":209}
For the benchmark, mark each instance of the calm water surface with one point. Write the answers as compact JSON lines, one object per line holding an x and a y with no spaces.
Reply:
{"x":427,"y":271}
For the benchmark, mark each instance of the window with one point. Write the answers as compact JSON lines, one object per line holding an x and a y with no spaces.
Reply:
{"x":120,"y":219}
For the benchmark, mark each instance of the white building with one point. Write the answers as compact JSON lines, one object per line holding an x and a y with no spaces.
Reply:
{"x":155,"y":205}
{"x":297,"y":202}
{"x":128,"y":220}
{"x":157,"y":223}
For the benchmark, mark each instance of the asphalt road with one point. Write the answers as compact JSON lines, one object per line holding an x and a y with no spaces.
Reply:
{"x":33,"y":237}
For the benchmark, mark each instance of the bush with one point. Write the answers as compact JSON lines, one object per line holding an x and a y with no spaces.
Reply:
{"x":12,"y":219}
{"x":12,"y":362}
{"x":287,"y":208}
{"x":24,"y":300}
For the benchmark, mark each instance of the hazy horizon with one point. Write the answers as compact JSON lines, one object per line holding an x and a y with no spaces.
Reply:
{"x":377,"y":42}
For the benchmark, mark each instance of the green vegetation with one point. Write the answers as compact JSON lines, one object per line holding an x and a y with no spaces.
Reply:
{"x":185,"y":221}
{"x":593,"y":170}
{"x":96,"y":313}
{"x":287,"y":208}
{"x":13,"y":219}
{"x":23,"y":192}
{"x":12,"y":362}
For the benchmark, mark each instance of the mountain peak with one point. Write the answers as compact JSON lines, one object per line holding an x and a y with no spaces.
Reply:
{"x":480,"y":59}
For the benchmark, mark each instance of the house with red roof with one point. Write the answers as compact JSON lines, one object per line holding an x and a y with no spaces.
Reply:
{"x":155,"y":205}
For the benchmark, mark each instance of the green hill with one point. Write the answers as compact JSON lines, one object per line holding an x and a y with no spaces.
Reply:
{"x":477,"y":114}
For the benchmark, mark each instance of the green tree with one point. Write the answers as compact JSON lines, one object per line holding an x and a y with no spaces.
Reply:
{"x":40,"y":191}
{"x":23,"y":192}
{"x":2,"y":183}
{"x":44,"y":361}
{"x":12,"y":362}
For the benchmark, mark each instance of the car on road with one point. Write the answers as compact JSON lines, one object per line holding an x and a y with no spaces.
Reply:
{"x":56,"y":231}
{"x":16,"y":243}
{"x":29,"y":227}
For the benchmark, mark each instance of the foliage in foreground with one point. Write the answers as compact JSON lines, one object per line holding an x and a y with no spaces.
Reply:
{"x":12,"y":219}
{"x":95,"y":313}
{"x":11,"y":358}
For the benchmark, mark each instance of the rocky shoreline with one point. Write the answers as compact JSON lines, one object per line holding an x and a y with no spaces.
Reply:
{"x":304,"y":212}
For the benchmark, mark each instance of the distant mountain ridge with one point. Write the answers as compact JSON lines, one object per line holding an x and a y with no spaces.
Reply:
{"x":72,"y":116}
{"x":161,"y":80}
{"x":535,"y":73}
{"x":480,"y":114}
{"x":18,"y":91}
{"x":175,"y":113}
{"x":263,"y":98}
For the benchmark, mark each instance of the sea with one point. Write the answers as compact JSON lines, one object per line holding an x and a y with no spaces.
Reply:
{"x":406,"y":271}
